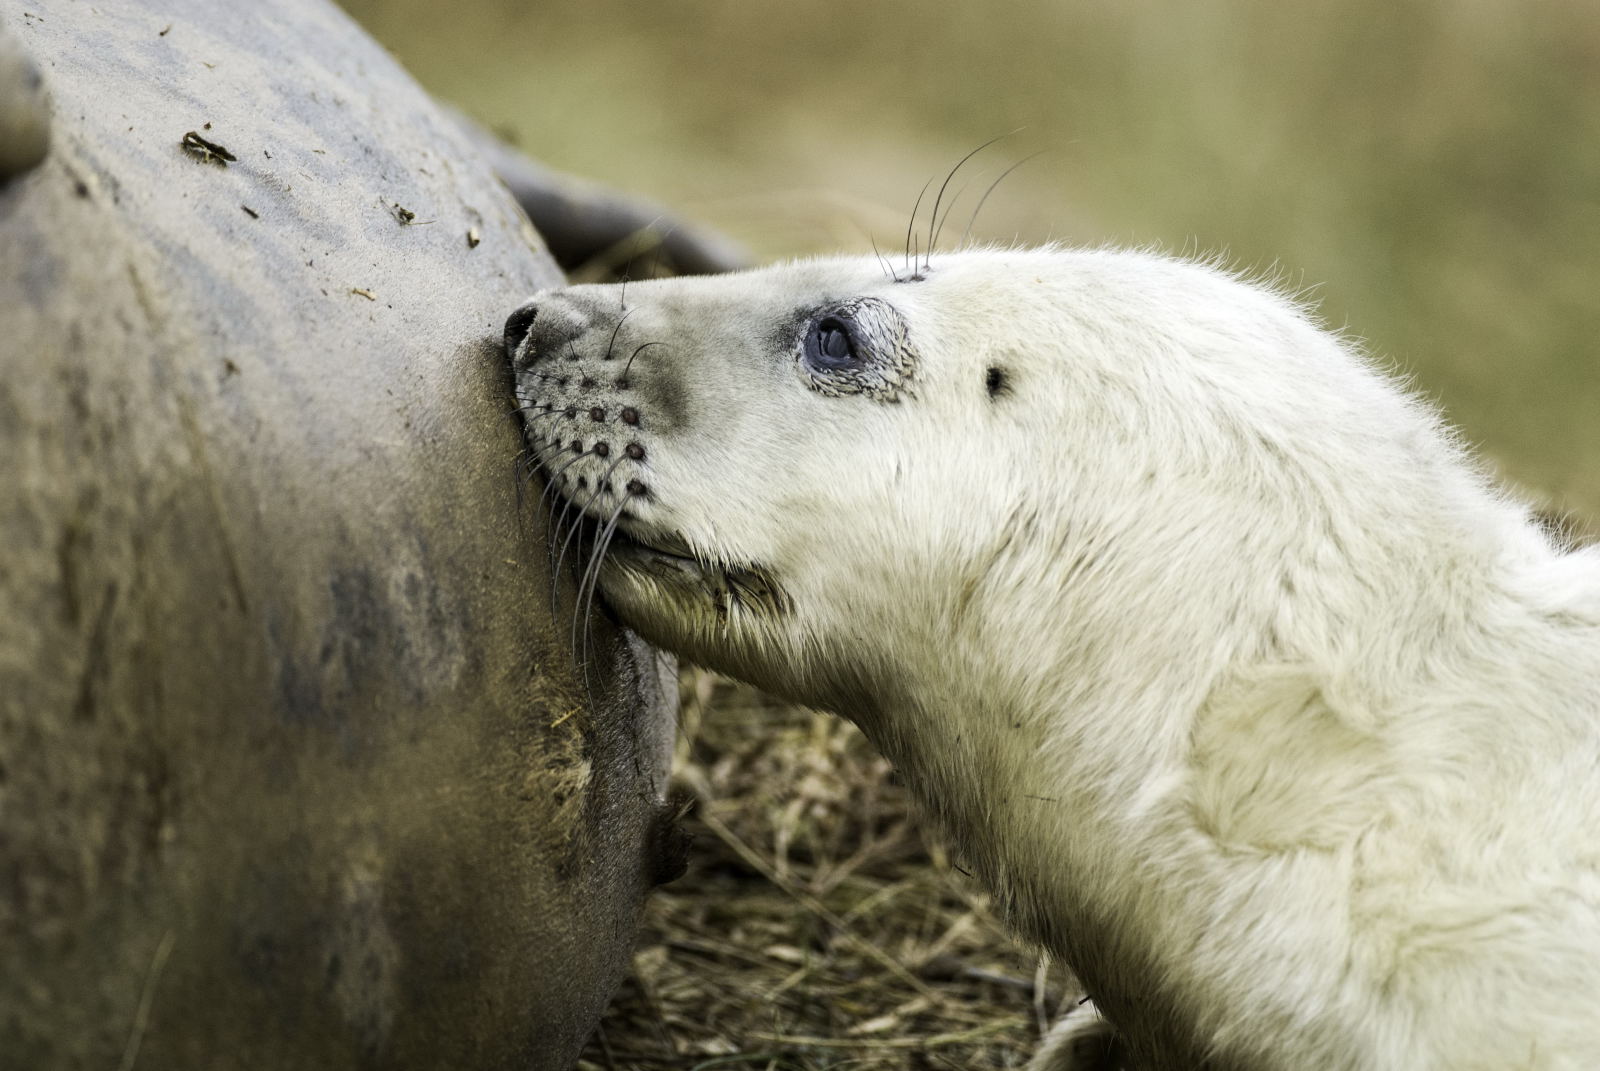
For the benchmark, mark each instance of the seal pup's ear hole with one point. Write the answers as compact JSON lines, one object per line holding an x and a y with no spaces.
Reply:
{"x":996,"y":382}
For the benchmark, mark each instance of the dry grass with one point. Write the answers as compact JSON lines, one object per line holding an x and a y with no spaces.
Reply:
{"x":816,"y":928}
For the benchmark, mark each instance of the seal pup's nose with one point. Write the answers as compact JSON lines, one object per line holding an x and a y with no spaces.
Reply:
{"x":541,"y":327}
{"x":517,"y":325}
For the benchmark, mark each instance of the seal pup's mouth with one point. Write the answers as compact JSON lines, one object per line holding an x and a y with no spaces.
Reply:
{"x":631,"y":549}
{"x":665,"y":553}
{"x":750,"y":585}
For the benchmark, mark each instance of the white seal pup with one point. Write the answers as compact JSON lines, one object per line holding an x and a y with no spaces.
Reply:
{"x":1238,"y":683}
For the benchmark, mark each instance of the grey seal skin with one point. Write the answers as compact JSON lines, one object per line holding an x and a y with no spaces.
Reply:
{"x":295,"y":770}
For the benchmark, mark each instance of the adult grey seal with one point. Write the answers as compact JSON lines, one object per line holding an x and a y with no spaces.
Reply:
{"x":1233,"y":676}
{"x":289,"y":777}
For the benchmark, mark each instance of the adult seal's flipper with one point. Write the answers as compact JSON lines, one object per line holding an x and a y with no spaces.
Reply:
{"x":596,"y":233}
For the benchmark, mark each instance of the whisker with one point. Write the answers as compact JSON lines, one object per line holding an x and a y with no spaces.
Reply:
{"x":583,"y":510}
{"x":627,"y":265}
{"x":549,"y":410}
{"x":553,"y":560}
{"x":620,"y":321}
{"x":550,"y":483}
{"x":520,"y":473}
{"x":629,"y":366}
{"x":888,"y":271}
{"x":934,"y":217}
{"x":532,"y":461}
{"x":553,"y":485}
{"x":659,"y":252}
{"x":912,"y":222}
{"x":968,"y":232}
{"x":951,"y":207}
{"x":600,"y":486}
{"x":587,"y":586}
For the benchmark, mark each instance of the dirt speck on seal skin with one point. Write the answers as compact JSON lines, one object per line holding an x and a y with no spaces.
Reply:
{"x":206,"y":150}
{"x":406,"y":217}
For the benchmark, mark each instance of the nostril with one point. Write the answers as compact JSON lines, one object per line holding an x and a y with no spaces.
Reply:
{"x":517,"y":326}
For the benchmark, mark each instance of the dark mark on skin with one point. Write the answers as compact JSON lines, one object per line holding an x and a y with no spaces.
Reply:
{"x":407,"y":217}
{"x":207,"y":152}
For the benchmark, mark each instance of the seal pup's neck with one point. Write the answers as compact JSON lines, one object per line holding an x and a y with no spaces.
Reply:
{"x":1207,"y":791}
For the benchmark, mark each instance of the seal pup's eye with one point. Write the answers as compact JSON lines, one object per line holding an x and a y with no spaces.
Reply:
{"x":830,"y":345}
{"x":857,"y":346}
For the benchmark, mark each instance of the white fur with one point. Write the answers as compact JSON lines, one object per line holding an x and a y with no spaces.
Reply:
{"x":1237,"y":681}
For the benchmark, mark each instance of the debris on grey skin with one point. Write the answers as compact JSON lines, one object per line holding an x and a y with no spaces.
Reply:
{"x":206,"y":151}
{"x":407,"y":217}
{"x":24,"y":109}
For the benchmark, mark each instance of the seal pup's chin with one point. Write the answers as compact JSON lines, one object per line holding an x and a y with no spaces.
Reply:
{"x":643,"y":562}
{"x":726,"y":617}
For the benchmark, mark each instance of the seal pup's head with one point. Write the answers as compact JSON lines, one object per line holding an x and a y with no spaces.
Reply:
{"x":783,"y":456}
{"x":830,"y":481}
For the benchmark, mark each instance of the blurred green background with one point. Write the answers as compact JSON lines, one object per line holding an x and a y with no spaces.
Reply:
{"x":1430,"y":167}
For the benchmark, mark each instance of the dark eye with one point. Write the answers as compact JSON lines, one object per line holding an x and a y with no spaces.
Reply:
{"x":835,"y":343}
{"x":830,"y":345}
